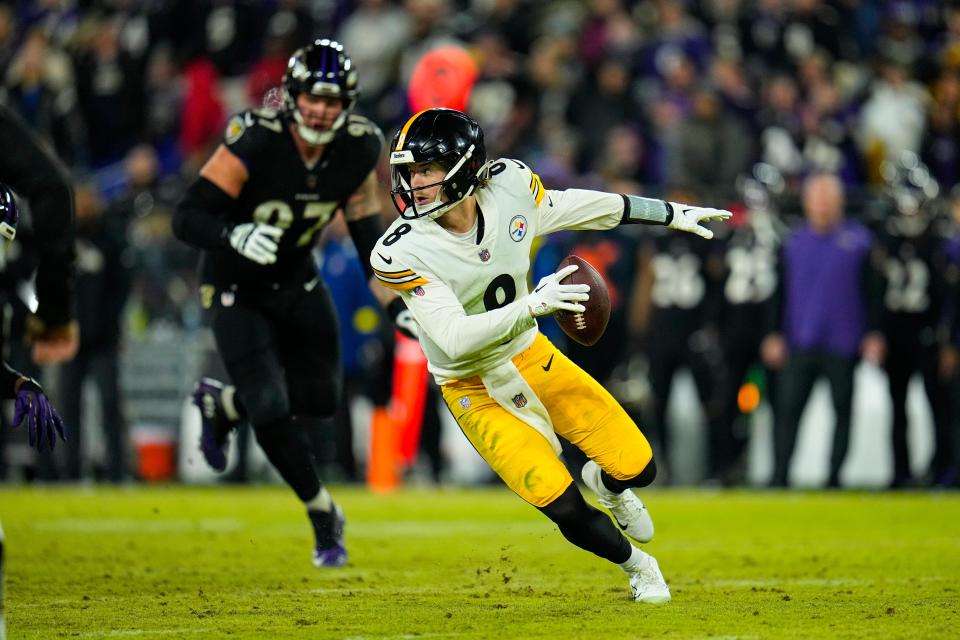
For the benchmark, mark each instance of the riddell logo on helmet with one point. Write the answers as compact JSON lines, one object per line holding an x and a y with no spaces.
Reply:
{"x":401,"y":156}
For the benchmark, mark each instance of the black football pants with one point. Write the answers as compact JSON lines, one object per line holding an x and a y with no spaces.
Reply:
{"x":904,"y":358}
{"x":282,"y":351}
{"x":666,"y":358}
{"x":796,"y":384}
{"x":727,"y":443}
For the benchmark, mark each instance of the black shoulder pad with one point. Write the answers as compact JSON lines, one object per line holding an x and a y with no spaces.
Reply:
{"x":364,"y":134}
{"x":247,"y":131}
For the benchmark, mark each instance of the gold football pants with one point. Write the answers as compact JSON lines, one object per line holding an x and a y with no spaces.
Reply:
{"x":581,"y":410}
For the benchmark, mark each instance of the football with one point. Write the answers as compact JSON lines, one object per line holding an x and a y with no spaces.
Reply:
{"x":587,"y":327}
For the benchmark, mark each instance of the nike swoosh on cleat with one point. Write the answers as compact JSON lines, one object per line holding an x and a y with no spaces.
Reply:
{"x":547,"y":366}
{"x":387,"y":260}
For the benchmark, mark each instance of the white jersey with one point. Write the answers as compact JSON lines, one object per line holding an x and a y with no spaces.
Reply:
{"x":466,"y":291}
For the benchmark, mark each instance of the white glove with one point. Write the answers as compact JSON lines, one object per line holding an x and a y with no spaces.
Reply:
{"x":688,"y":218}
{"x":257,"y":242}
{"x":550,"y":295}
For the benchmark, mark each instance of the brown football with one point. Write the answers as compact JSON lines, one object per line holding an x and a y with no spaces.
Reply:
{"x":587,"y":327}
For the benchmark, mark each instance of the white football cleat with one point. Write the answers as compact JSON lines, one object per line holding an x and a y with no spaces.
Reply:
{"x":647,"y":583}
{"x":627,"y":509}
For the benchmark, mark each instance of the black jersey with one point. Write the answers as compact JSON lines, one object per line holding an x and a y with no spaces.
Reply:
{"x":750,"y":281}
{"x":39,"y":177}
{"x":681,"y":284}
{"x":282,"y":190}
{"x":913,"y":268}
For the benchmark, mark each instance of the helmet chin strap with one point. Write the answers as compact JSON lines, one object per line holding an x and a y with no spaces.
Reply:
{"x":436,"y":208}
{"x":314,"y":137}
{"x":442,"y":207}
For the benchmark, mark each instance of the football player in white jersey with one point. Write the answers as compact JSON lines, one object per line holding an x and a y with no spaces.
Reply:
{"x":459,"y":255}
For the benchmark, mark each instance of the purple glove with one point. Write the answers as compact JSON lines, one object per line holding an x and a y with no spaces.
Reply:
{"x":43,"y":421}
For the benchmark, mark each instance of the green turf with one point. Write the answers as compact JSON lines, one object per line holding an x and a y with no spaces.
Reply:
{"x":174,"y":562}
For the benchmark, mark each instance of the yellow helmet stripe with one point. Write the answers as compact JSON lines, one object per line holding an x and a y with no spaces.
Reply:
{"x":403,"y":132}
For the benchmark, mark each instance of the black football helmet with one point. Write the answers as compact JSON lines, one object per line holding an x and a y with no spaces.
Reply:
{"x":322,"y":68}
{"x":762,"y":189}
{"x":911,"y":188}
{"x":448,"y":137}
{"x":9,"y":215}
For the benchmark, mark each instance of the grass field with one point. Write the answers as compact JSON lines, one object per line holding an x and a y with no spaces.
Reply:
{"x":172,"y":562}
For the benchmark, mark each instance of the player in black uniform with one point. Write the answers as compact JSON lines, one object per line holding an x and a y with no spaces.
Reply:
{"x":742,"y":315}
{"x":256,"y":208}
{"x":29,"y":169}
{"x":950,"y":361}
{"x":914,"y":264}
{"x":676,"y":276}
{"x":32,"y":406}
{"x":37,"y":176}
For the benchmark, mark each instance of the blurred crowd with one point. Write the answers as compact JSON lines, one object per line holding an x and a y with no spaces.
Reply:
{"x":728,"y":103}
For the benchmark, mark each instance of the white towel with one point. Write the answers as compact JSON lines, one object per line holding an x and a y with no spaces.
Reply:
{"x":505,"y":385}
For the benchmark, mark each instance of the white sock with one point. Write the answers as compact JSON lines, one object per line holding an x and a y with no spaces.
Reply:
{"x":633,"y":562}
{"x":320,"y":502}
{"x":229,"y":407}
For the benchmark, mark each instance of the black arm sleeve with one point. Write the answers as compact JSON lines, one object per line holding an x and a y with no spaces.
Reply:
{"x":39,"y":177}
{"x":200,"y":219}
{"x":365,"y":233}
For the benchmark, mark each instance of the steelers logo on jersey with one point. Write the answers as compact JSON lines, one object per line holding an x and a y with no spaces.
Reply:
{"x":518,"y":228}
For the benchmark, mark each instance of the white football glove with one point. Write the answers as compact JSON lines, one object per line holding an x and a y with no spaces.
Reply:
{"x":688,"y":218}
{"x":257,"y":242}
{"x":550,"y":295}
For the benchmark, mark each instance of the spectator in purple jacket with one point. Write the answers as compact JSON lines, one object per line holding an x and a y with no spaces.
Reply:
{"x":826,"y":319}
